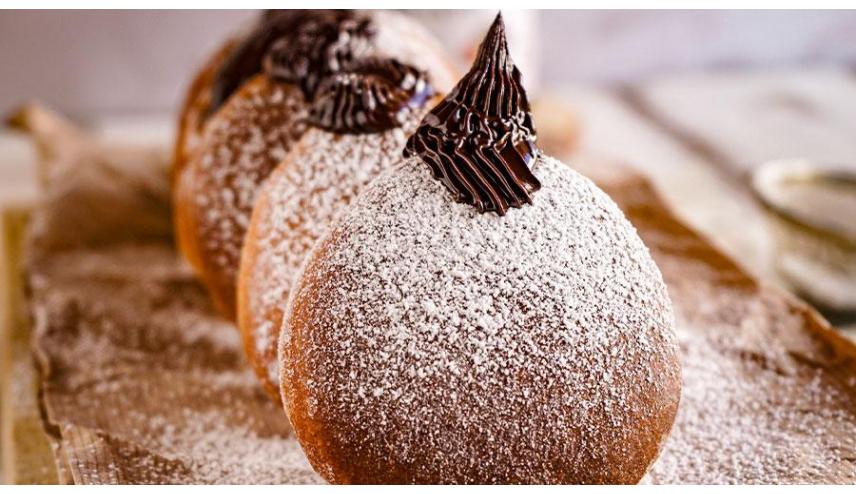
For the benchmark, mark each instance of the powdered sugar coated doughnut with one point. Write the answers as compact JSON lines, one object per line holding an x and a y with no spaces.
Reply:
{"x":429,"y":343}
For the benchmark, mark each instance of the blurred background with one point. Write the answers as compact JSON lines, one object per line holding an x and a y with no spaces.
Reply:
{"x":745,"y":120}
{"x":95,"y":63}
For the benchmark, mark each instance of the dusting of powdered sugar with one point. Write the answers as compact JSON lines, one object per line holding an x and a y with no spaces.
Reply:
{"x":242,"y":144}
{"x":444,"y":344}
{"x":296,"y":206}
{"x":760,"y":402}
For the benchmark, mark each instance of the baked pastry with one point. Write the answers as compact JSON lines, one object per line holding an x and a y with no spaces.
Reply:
{"x":258,"y":104}
{"x":481,"y":313}
{"x":351,"y":142}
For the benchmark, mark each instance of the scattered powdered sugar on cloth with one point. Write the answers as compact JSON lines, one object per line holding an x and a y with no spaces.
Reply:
{"x":142,"y":383}
{"x":759,"y":405}
{"x":545,"y":334}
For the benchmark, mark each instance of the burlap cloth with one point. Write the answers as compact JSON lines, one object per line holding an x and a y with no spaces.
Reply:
{"x":143,"y":383}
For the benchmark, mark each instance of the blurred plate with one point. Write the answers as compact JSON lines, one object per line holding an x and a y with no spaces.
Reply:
{"x":812,"y":211}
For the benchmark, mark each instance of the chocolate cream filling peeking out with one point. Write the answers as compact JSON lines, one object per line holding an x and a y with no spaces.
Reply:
{"x":480,"y":141}
{"x":328,"y":55}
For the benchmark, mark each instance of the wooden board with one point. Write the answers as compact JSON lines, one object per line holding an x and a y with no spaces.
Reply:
{"x":25,"y":451}
{"x":736,"y":121}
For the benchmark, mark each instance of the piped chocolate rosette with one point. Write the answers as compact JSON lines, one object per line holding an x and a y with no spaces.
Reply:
{"x":350,"y":91}
{"x":298,"y":46}
{"x":341,"y":71}
{"x":480,"y":140}
{"x":329,"y":55}
{"x":325,"y":45}
{"x":373,"y":95}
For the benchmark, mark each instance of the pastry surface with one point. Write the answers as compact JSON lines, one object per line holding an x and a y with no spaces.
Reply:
{"x":194,"y":109}
{"x":295,"y":207}
{"x":216,"y":191}
{"x":531,"y":348}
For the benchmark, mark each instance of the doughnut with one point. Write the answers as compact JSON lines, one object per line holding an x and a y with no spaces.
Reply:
{"x":258,"y":105}
{"x":480,"y":313}
{"x":214,"y":195}
{"x":324,"y":171}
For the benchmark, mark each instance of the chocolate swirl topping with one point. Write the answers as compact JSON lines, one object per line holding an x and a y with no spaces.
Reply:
{"x":327,"y":53}
{"x":371,"y":96}
{"x":316,"y":39}
{"x":319,"y":47}
{"x":480,"y":141}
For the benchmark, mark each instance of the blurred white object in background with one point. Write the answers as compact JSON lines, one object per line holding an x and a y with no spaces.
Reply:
{"x":812,"y":212}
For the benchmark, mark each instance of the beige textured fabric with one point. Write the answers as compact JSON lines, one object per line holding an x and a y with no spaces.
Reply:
{"x":142,"y":383}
